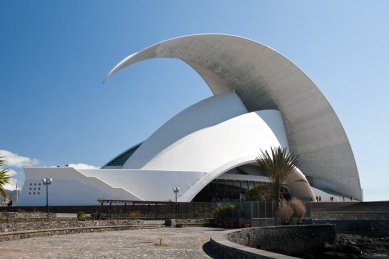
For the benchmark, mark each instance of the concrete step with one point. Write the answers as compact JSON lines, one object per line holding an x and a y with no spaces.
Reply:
{"x":153,"y":224}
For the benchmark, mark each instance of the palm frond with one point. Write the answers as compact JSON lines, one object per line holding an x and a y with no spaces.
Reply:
{"x":4,"y":178}
{"x":2,"y":162}
{"x":277,"y":165}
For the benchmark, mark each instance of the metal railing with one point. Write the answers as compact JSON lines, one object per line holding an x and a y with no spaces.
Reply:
{"x":160,"y":210}
{"x":259,"y":209}
{"x":155,"y":209}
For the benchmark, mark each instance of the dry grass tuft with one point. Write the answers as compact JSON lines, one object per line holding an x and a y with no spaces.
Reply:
{"x":161,"y":243}
{"x":285,"y":211}
{"x":298,"y":207}
{"x":135,"y":214}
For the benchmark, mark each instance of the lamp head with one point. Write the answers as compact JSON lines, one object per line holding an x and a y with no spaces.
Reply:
{"x":47,"y":180}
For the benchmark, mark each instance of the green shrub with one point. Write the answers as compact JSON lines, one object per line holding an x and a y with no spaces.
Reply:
{"x":224,"y":213}
{"x":217,"y":212}
{"x":81,"y":216}
{"x":261,"y":192}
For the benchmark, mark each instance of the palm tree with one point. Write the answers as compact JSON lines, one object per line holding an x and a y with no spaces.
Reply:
{"x":277,"y":166}
{"x":4,"y":178}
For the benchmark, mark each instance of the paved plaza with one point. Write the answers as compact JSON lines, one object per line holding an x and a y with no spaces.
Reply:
{"x":177,"y":243}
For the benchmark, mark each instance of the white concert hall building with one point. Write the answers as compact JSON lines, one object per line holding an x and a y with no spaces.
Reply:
{"x":261,"y":100}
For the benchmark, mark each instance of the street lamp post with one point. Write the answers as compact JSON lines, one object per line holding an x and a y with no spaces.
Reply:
{"x":176,"y":190}
{"x":47,"y":181}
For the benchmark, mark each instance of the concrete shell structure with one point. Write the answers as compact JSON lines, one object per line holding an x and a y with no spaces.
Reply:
{"x":257,"y":90}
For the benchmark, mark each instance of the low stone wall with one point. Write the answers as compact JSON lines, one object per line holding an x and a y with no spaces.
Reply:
{"x":53,"y":232}
{"x":287,"y":240}
{"x":230,"y":250}
{"x":179,"y":223}
{"x":18,"y":217}
{"x":66,"y":224}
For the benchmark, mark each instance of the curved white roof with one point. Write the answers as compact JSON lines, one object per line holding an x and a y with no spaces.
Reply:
{"x":264,"y":79}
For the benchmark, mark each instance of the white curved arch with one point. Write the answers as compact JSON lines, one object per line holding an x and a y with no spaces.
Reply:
{"x":209,"y":134}
{"x":204,"y":114}
{"x":300,"y":189}
{"x":265,"y":79}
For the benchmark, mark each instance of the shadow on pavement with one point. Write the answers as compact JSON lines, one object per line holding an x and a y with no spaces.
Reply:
{"x":207,"y":248}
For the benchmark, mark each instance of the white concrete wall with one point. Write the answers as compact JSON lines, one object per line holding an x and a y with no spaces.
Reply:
{"x":149,"y":185}
{"x":84,"y":186}
{"x":69,"y":187}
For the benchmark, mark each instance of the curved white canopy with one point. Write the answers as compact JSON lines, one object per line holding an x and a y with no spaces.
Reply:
{"x":265,"y":79}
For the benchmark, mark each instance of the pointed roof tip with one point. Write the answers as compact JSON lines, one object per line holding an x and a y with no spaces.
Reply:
{"x":105,"y":79}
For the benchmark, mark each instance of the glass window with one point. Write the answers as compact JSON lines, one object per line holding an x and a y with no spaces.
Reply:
{"x":244,"y":185}
{"x":237,"y":185}
{"x":251,"y":184}
{"x":221,"y":184}
{"x":229,"y":184}
{"x":213,"y":185}
{"x":121,"y":159}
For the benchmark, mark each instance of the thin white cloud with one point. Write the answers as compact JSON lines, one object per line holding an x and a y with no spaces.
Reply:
{"x":83,"y":166}
{"x":11,"y":172}
{"x":12,"y":159}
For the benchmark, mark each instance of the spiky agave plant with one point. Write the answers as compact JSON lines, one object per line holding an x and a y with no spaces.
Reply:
{"x":277,"y":166}
{"x":4,"y":178}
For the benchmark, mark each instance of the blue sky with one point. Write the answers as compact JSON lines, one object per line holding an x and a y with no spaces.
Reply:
{"x":54,"y":56}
